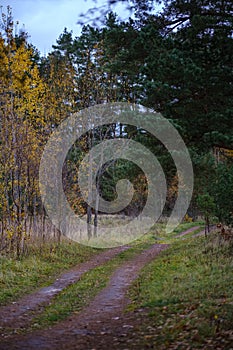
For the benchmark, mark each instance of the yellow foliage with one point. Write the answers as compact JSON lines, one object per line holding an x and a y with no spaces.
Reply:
{"x":188,"y":218}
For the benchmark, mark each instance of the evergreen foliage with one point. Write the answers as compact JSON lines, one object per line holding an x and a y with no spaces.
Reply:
{"x":177,"y":61}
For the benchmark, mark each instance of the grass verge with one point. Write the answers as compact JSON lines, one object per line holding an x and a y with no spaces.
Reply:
{"x":158,"y":231}
{"x":188,"y":294}
{"x":39,"y":268}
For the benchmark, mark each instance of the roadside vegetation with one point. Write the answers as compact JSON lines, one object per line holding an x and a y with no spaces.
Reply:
{"x":44,"y":262}
{"x":39,"y":267}
{"x":188,"y":294}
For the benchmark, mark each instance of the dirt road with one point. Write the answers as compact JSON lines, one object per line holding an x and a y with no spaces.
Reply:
{"x":97,"y":325}
{"x":100,"y":325}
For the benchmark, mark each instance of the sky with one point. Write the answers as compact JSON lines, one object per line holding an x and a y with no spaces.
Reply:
{"x":45,"y":20}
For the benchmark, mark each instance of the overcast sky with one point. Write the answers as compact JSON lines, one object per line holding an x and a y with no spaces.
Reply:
{"x":45,"y":20}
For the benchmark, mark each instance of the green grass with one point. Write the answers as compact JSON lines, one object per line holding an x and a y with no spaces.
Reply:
{"x":42,"y":264}
{"x":185,"y":226}
{"x":39,"y":268}
{"x":188,"y":291}
{"x":73,"y":298}
{"x":45,"y":262}
{"x":159,"y":234}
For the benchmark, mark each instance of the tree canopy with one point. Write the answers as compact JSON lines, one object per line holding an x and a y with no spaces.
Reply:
{"x":176,"y":60}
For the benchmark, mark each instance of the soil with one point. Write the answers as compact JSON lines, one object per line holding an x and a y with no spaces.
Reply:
{"x":195,"y":228}
{"x":192,"y":229}
{"x":18,"y":314}
{"x":102,"y":324}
